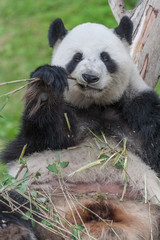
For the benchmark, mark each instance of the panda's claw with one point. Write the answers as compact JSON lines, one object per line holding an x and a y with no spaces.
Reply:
{"x":53,"y":76}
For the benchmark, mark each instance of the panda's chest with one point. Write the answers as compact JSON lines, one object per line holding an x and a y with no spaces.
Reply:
{"x":107,"y":119}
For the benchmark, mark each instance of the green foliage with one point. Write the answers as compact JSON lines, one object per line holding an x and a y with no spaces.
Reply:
{"x":41,"y":201}
{"x":56,"y":167}
{"x":37,"y":175}
{"x":10,"y":183}
{"x":3,"y":105}
{"x":47,"y":223}
{"x":3,"y":170}
{"x":76,"y":229}
{"x":29,"y":215}
{"x":120,"y":164}
{"x":104,"y":156}
{"x":157,"y":88}
{"x":53,"y":168}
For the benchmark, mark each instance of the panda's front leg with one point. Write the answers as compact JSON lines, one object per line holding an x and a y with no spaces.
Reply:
{"x":142,"y":113}
{"x":44,"y":117}
{"x":44,"y":123}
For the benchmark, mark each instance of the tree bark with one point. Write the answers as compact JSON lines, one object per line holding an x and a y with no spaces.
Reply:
{"x":145,"y":49}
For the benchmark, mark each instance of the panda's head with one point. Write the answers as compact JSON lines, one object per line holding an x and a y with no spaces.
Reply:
{"x":97,"y":57}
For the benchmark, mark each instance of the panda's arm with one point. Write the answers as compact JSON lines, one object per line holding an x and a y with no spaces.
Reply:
{"x":44,"y":125}
{"x":143,"y":115}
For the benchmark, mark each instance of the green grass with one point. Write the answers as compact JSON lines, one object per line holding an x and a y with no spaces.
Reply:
{"x":24,"y":44}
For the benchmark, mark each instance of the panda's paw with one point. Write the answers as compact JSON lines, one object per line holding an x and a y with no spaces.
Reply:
{"x":53,"y":76}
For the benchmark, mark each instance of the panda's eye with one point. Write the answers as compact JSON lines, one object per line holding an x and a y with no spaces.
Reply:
{"x":105,"y":57}
{"x":77,"y":57}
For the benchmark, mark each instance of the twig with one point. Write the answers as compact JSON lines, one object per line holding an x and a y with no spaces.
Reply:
{"x":67,"y":121}
{"x":28,"y":80}
{"x":145,"y":182}
{"x":72,"y":78}
{"x":83,"y":224}
{"x":23,"y":165}
{"x":17,"y":81}
{"x":20,"y":88}
{"x":31,"y":80}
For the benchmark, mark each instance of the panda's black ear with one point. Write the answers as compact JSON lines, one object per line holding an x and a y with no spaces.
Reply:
{"x":56,"y":31}
{"x":125,"y":29}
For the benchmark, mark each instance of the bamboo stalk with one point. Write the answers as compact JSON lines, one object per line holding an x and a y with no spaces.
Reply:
{"x":17,"y":81}
{"x":20,"y":88}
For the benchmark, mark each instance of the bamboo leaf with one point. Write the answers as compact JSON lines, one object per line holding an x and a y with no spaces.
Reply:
{"x":92,"y":164}
{"x":52,"y":168}
{"x":67,"y":121}
{"x":64,"y":164}
{"x":120,"y":164}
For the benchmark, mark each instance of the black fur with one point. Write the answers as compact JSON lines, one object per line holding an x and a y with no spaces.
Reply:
{"x":55,"y":77}
{"x":109,"y":62}
{"x":125,"y":29}
{"x":77,"y":57}
{"x":8,"y":216}
{"x":56,"y":31}
{"x":143,"y":116}
{"x":47,"y":127}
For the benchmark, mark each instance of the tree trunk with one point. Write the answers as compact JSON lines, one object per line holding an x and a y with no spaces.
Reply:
{"x":145,"y":49}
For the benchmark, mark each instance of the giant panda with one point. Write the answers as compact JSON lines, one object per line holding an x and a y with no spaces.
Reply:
{"x":110,"y":110}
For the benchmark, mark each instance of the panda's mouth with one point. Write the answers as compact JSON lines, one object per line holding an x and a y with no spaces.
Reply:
{"x":85,"y":87}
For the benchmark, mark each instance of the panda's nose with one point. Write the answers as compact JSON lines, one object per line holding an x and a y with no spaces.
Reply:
{"x":90,"y":78}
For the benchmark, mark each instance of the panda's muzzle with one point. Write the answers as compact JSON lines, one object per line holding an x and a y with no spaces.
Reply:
{"x":89,"y":78}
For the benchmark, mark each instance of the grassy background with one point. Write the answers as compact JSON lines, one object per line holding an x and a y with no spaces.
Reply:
{"x":24,"y":44}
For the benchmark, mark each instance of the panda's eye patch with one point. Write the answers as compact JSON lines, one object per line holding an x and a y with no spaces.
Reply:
{"x":110,"y":64}
{"x":70,"y":67}
{"x":105,"y":56}
{"x":77,"y":57}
